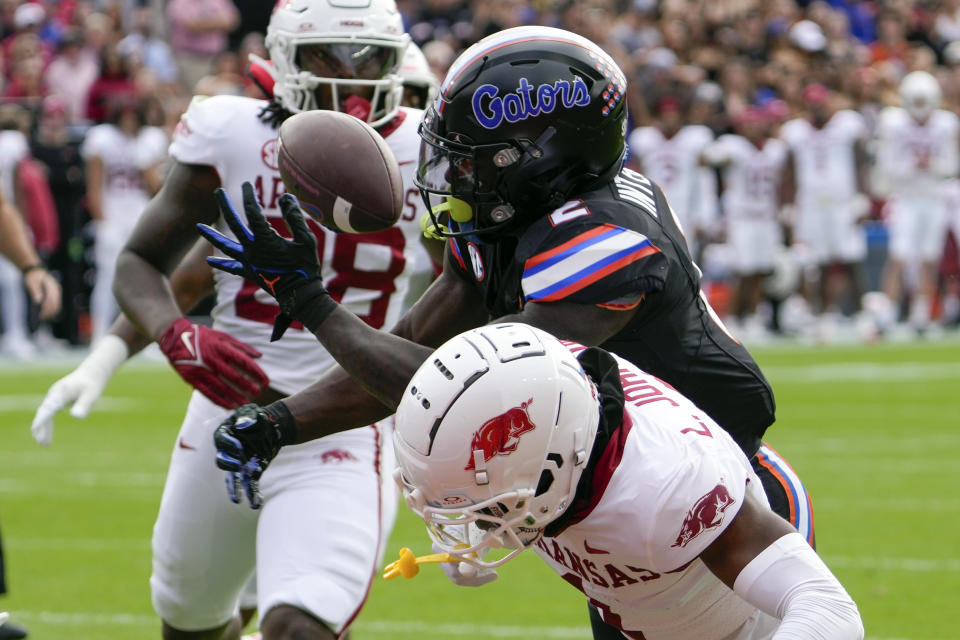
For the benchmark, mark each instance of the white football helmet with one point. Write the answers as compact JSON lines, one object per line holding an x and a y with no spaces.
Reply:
{"x":920,"y":94}
{"x":416,"y":74}
{"x":492,"y":436}
{"x":361,"y":41}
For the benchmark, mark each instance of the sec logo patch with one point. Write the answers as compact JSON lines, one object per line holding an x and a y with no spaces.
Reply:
{"x":476,"y":261}
{"x":268,"y":153}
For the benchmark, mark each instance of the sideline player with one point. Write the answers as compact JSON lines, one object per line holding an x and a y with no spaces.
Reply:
{"x":324,"y":56}
{"x":757,"y":182}
{"x":917,"y":155}
{"x":544,"y":228}
{"x":831,"y":203}
{"x":669,"y":154}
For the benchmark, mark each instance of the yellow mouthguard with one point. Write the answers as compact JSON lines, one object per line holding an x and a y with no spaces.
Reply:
{"x":458,"y":210}
{"x":407,"y":564}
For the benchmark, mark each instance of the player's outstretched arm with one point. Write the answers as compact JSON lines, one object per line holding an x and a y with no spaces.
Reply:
{"x":191,"y":282}
{"x":382,"y":363}
{"x":213,"y":362}
{"x":771,"y":566}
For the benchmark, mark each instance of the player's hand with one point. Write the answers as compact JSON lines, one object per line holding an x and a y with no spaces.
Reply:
{"x":216,"y":364}
{"x":289,"y":270}
{"x":44,"y":291}
{"x":464,"y":574}
{"x":247,"y":442}
{"x":82,"y":386}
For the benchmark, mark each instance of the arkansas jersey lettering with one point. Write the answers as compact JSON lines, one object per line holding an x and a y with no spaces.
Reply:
{"x":501,"y":435}
{"x":706,"y":514}
{"x":582,"y":569}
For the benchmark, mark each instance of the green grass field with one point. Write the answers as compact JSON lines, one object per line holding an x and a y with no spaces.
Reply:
{"x":874,"y":431}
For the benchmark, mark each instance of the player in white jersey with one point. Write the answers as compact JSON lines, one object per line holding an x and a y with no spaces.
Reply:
{"x":669,"y":154}
{"x":328,"y":508}
{"x":123,"y":164}
{"x":916,"y":155}
{"x":506,"y":441}
{"x":757,"y":181}
{"x":830,"y":169}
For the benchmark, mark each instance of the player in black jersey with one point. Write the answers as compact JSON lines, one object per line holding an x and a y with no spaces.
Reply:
{"x":521,"y":169}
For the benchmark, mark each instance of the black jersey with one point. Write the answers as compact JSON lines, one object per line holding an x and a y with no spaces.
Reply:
{"x":621,"y":247}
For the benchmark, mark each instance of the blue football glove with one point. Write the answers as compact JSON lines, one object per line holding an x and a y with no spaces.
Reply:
{"x":289,"y":270}
{"x":247,"y":442}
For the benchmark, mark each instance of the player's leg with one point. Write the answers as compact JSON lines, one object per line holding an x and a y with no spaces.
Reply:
{"x":203,"y":545}
{"x":103,"y":306}
{"x":787,"y":496}
{"x":328,"y":509}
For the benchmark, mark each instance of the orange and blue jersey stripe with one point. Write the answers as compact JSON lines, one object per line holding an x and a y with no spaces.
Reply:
{"x":801,"y":509}
{"x":582,"y":261}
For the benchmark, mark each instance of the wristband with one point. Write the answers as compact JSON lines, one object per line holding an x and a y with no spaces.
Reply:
{"x":280,"y":415}
{"x":32,"y":267}
{"x":311,"y":304}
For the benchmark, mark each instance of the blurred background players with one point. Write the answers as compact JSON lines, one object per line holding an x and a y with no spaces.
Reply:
{"x":757,"y":182}
{"x":828,"y":150}
{"x":124,"y":159}
{"x":917,"y":155}
{"x":668,"y":152}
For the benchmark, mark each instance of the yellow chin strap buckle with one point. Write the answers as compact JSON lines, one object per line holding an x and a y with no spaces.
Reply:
{"x":456,"y":208}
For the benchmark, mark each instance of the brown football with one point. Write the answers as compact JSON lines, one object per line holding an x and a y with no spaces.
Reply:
{"x":341,"y":170}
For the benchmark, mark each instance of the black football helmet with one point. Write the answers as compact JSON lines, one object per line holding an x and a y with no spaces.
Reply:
{"x":525,"y":119}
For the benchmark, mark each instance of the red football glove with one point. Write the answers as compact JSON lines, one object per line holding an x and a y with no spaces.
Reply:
{"x":214,"y":363}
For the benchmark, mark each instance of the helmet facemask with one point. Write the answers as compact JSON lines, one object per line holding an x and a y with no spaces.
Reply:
{"x":356,"y":78}
{"x":483,"y":189}
{"x":338,"y":56}
{"x":492,"y":438}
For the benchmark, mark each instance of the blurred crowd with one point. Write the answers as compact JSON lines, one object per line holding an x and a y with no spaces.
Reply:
{"x":92,"y":89}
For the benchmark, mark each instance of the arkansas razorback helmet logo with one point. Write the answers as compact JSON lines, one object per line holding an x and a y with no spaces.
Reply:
{"x":501,"y":435}
{"x":706,"y":514}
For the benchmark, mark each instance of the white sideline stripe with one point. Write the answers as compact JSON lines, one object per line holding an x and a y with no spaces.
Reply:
{"x":31,"y":402}
{"x":370,"y":626}
{"x":865,"y":371}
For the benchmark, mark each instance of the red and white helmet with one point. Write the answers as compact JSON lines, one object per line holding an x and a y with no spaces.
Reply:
{"x":492,"y":436}
{"x":416,"y":73}
{"x":920,"y":94}
{"x":361,"y":37}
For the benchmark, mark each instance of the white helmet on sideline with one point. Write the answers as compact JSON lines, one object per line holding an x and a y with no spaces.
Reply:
{"x":417,"y":75}
{"x":920,"y":94}
{"x":494,"y":430}
{"x":359,"y":44}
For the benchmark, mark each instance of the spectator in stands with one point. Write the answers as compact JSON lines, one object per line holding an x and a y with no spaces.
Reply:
{"x":148,"y":48}
{"x":198,"y":33}
{"x":114,"y":84}
{"x":71,"y":74}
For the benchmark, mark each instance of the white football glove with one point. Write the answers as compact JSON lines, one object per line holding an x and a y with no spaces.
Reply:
{"x":82,"y":386}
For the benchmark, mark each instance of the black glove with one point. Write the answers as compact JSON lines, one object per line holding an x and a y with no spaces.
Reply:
{"x":289,"y":270}
{"x":247,"y":442}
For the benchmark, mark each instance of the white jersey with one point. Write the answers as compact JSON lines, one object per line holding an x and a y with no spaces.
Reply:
{"x":124,"y":158}
{"x":634,"y":553}
{"x":825,"y":161}
{"x":751,"y":177}
{"x":369,"y":274}
{"x":913,"y":159}
{"x":674,"y":164}
{"x":13,"y":148}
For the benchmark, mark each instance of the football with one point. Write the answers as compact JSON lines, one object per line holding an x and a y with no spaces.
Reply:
{"x":341,"y":170}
